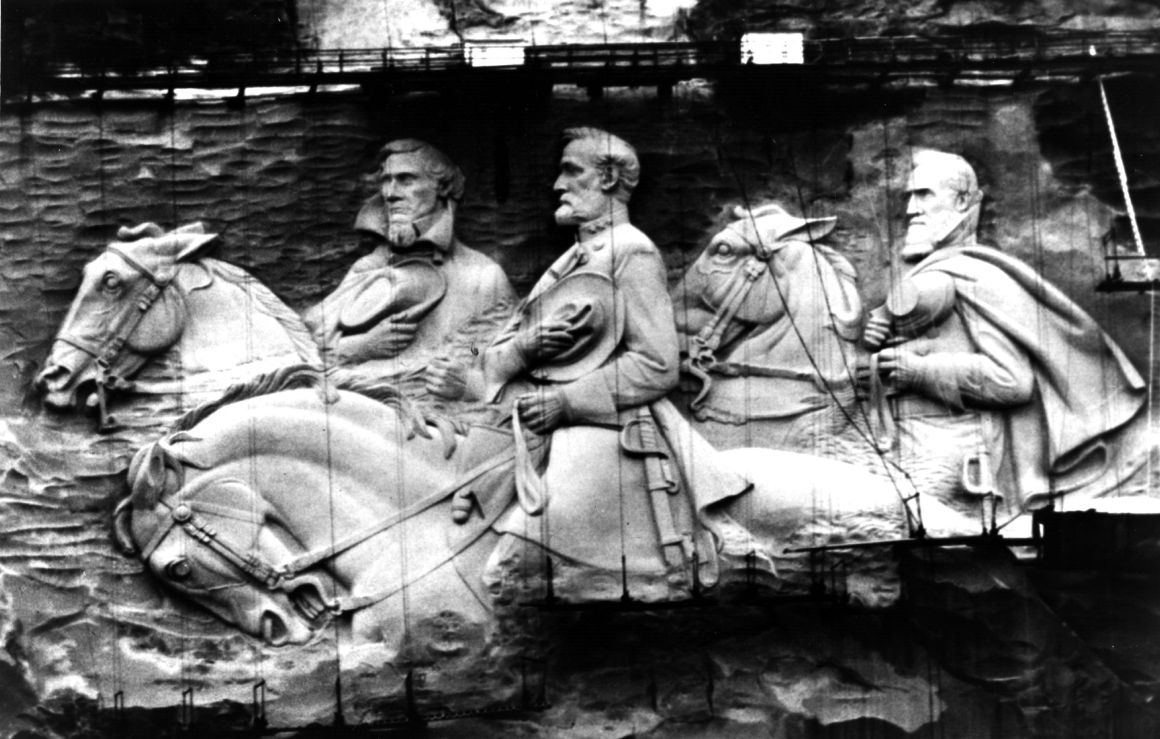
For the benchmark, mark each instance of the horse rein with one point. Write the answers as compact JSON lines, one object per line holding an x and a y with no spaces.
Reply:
{"x":702,"y":355}
{"x":278,"y":578}
{"x":111,"y":349}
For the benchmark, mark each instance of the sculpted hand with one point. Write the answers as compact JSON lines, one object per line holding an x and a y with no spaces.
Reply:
{"x":447,"y":378}
{"x":383,"y":341}
{"x":877,"y":330}
{"x":543,"y":411}
{"x":543,"y":341}
{"x":901,"y":366}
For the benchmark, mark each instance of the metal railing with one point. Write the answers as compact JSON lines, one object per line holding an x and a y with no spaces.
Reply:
{"x":962,"y":54}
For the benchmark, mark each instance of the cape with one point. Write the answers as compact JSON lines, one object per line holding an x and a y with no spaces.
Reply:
{"x":1085,"y":386}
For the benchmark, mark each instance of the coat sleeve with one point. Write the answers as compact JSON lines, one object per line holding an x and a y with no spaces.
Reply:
{"x":497,"y":366}
{"x":644,"y":365}
{"x":997,"y":372}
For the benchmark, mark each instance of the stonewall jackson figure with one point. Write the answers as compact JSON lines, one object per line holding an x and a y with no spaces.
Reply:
{"x":990,"y":370}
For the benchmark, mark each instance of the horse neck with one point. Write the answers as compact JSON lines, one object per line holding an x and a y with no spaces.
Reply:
{"x":805,"y":335}
{"x":236,"y":320}
{"x":327,"y":471}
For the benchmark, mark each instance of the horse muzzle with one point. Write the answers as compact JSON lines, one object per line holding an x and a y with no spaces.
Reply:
{"x":59,"y":386}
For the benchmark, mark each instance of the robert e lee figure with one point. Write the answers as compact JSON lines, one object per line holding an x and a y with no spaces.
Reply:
{"x":991,"y":370}
{"x":422,"y":292}
{"x":593,"y":347}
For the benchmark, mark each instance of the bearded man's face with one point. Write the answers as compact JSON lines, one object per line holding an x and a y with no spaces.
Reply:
{"x":410,"y":196}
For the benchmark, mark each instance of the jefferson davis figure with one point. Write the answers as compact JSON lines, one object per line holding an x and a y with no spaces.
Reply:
{"x":992,"y":372}
{"x":421,"y":292}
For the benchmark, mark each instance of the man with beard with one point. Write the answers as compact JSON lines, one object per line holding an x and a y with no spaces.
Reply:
{"x":421,"y":292}
{"x":997,"y":380}
{"x":586,"y":363}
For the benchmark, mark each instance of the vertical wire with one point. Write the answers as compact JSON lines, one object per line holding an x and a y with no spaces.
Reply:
{"x":400,"y":438}
{"x":685,"y":265}
{"x":118,"y":681}
{"x":907,"y":451}
{"x":248,"y":287}
{"x":1149,"y":483}
{"x":183,"y":618}
{"x":101,"y":199}
{"x":325,"y":393}
{"x":616,"y":318}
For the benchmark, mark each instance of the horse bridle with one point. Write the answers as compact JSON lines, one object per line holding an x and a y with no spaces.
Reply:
{"x":183,"y":514}
{"x":111,"y":349}
{"x":703,"y":348}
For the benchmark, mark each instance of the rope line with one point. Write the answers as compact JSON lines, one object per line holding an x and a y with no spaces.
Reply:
{"x":1121,"y":171}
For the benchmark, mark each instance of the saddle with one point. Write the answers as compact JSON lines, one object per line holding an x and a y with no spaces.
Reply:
{"x":613,"y":492}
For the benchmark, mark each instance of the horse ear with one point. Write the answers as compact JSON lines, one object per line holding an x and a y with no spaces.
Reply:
{"x":192,"y":243}
{"x":812,"y":229}
{"x":122,"y":527}
{"x":161,"y":326}
{"x":147,"y":477}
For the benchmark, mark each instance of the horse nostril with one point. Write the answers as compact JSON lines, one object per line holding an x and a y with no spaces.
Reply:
{"x":309,"y":602}
{"x":53,"y":377}
{"x":274,"y":630}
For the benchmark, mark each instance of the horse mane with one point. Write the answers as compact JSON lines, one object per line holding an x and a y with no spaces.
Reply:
{"x":302,"y":376}
{"x":300,"y":336}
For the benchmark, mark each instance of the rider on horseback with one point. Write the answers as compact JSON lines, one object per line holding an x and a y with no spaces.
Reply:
{"x":578,"y":367}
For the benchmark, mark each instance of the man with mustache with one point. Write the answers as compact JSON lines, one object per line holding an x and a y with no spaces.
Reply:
{"x":421,"y":292}
{"x":991,"y":372}
{"x":600,"y":402}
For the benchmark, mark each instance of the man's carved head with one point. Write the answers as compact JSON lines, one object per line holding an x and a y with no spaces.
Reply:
{"x":598,"y":171}
{"x":943,"y":203}
{"x":416,"y":184}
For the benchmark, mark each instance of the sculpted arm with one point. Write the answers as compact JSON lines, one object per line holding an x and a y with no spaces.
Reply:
{"x":644,"y":367}
{"x":994,"y":372}
{"x":511,"y":353}
{"x":997,"y":374}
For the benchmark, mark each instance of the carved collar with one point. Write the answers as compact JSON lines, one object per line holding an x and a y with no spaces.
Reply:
{"x":440,"y":234}
{"x":591,"y":233}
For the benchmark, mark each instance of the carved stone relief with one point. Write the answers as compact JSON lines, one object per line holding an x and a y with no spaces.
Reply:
{"x":690,"y":418}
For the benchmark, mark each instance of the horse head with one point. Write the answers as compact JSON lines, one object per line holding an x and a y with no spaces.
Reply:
{"x":126,"y":311}
{"x":214,"y":540}
{"x":759,"y":269}
{"x":745,"y":251}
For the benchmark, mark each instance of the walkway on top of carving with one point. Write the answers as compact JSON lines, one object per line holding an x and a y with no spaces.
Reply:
{"x":1002,"y":57}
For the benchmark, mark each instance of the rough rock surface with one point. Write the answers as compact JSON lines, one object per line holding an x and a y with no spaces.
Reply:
{"x":331,"y":24}
{"x":370,"y":23}
{"x":975,"y":647}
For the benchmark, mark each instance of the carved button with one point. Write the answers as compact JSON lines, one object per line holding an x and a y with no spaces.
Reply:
{"x":182,"y":513}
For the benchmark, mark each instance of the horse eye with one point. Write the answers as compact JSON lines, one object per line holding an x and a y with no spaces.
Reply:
{"x":178,"y":569}
{"x":111,"y":281}
{"x":723,"y":250}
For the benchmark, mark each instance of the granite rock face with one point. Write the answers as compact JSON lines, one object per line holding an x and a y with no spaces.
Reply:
{"x":367,"y":23}
{"x":973,"y":646}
